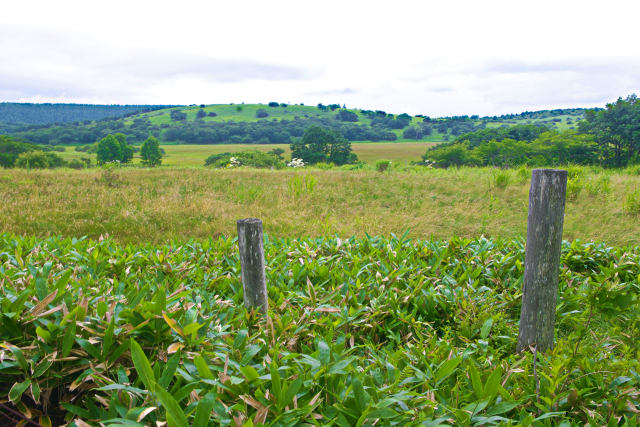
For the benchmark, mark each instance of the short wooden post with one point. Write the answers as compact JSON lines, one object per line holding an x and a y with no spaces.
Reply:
{"x":254,"y":281}
{"x":542,"y":259}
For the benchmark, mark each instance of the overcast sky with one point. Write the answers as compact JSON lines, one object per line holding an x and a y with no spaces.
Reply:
{"x":430,"y":57}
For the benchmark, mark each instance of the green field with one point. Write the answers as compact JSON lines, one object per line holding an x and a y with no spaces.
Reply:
{"x":190,"y":155}
{"x":157,"y":205}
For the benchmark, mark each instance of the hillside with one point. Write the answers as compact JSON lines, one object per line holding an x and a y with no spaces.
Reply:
{"x":44,"y":114}
{"x":271,"y":123}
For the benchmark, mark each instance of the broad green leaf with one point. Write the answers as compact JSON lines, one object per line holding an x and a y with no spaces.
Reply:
{"x":203,"y":410}
{"x":17,"y":389}
{"x":486,"y":328}
{"x":447,"y":369}
{"x":175,"y":415}
{"x":142,"y":365}
{"x":203,"y":368}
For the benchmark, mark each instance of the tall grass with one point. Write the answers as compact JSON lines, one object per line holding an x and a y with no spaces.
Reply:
{"x":164,"y":204}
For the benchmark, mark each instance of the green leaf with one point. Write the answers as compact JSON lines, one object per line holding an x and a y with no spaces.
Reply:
{"x":142,"y":365}
{"x":293,"y":389}
{"x":250,"y":373}
{"x":324,"y":353}
{"x":476,"y":382}
{"x":502,"y":407}
{"x":493,"y":383}
{"x":360,"y":395}
{"x":203,"y":368}
{"x":175,"y":415}
{"x":276,"y":386}
{"x":69,"y":337}
{"x":17,"y":389}
{"x":169,"y":371}
{"x":486,"y":328}
{"x":17,"y":353}
{"x":447,"y":369}
{"x":108,"y":338}
{"x":203,"y":410}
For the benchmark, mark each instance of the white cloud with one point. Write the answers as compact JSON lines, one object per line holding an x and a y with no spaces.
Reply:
{"x":435,"y":58}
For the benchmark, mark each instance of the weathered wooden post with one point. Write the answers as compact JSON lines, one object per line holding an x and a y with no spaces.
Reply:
{"x":254,"y":281}
{"x":542,"y":259}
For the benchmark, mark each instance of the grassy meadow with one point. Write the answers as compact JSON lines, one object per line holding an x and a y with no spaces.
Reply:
{"x":194,"y":155}
{"x":157,"y":205}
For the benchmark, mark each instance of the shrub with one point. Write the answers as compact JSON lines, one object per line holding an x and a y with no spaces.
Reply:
{"x":631,"y":204}
{"x":274,"y":104}
{"x":261,"y":113}
{"x":383,"y":165}
{"x":501,"y":179}
{"x":150,"y":152}
{"x":601,"y":185}
{"x":177,"y":115}
{"x":212,"y":114}
{"x":201,"y":113}
{"x":347,"y":116}
{"x":574,"y":187}
{"x":254,"y":158}
{"x":76,"y":164}
{"x":39,"y":160}
{"x":523,"y":174}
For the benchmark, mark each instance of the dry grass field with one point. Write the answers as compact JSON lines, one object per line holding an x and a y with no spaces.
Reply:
{"x":157,"y":205}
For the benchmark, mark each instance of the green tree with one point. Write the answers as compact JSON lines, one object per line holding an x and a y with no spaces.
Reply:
{"x":616,"y":130}
{"x":150,"y":152}
{"x":108,"y":150}
{"x":321,"y":145}
{"x":125,"y":149}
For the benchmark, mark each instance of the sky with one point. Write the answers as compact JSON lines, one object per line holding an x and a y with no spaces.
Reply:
{"x":437,"y":58}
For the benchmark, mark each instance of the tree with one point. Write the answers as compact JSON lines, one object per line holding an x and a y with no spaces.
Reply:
{"x":108,"y":150}
{"x":150,"y":152}
{"x":125,"y":149}
{"x":616,"y":130}
{"x":321,"y":145}
{"x":347,"y":116}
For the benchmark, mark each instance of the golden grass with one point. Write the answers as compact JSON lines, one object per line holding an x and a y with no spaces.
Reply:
{"x":157,"y":205}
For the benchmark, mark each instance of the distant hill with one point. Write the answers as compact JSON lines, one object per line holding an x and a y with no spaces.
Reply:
{"x":39,"y":114}
{"x":259,"y":123}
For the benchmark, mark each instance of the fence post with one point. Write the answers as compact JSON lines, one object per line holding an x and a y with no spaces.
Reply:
{"x":542,"y":259}
{"x":254,"y":281}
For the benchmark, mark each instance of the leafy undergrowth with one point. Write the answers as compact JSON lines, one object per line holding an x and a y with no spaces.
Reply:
{"x":367,"y":331}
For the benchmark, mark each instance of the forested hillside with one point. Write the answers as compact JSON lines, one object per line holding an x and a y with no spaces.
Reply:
{"x":275,"y":123}
{"x":40,"y":114}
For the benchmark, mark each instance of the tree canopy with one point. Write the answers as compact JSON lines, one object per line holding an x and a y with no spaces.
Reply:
{"x":322,"y":145}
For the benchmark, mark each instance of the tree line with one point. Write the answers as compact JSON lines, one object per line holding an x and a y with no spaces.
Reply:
{"x":608,"y":137}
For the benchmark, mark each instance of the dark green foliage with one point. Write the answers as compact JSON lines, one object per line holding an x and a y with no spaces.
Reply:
{"x":201,"y":113}
{"x":278,"y":152}
{"x":322,"y":145}
{"x":108,"y":150}
{"x":274,"y":104}
{"x":261,"y":113}
{"x":150,"y":152}
{"x":373,"y":331}
{"x":617,"y":131}
{"x":177,"y":115}
{"x":347,"y":116}
{"x":125,"y":149}
{"x":550,"y":148}
{"x":39,"y":160}
{"x":39,"y":114}
{"x":11,"y":149}
{"x":255,"y":159}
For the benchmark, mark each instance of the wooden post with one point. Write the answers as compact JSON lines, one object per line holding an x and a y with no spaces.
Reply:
{"x":542,"y":259}
{"x":254,"y":281}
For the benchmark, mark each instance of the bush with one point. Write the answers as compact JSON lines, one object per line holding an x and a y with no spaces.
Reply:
{"x":347,"y":116}
{"x":383,"y":165}
{"x":151,"y":153}
{"x":261,"y":113}
{"x":255,"y":159}
{"x":201,"y":113}
{"x":39,"y":160}
{"x":631,"y":204}
{"x":501,"y":179}
{"x":574,"y":187}
{"x":177,"y":115}
{"x":274,"y":104}
{"x":76,"y":164}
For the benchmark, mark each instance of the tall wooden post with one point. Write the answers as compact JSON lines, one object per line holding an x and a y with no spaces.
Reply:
{"x":542,"y":259}
{"x":254,"y":281}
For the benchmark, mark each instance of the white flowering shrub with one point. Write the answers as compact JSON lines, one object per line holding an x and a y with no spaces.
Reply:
{"x":234,"y":163}
{"x":296,"y":163}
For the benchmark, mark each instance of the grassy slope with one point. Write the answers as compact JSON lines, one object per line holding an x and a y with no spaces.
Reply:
{"x":162,"y":204}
